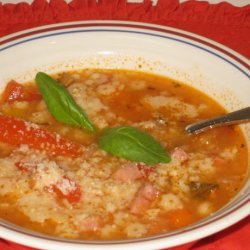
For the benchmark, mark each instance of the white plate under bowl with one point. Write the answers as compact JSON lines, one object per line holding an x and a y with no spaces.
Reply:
{"x":197,"y":61}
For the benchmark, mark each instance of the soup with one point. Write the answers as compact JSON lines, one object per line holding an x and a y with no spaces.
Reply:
{"x":142,"y":177}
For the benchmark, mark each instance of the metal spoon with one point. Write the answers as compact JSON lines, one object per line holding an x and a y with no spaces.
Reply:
{"x":239,"y":116}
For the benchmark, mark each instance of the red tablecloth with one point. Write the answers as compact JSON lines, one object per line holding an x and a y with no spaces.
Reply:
{"x":222,"y":22}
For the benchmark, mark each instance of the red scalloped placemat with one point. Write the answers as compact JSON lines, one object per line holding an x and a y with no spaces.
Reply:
{"x":222,"y":22}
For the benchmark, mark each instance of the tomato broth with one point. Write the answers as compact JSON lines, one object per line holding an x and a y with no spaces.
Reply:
{"x":61,"y":176}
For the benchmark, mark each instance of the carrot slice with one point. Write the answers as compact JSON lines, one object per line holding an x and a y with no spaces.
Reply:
{"x":180,"y":218}
{"x":17,"y":92}
{"x":16,"y":132}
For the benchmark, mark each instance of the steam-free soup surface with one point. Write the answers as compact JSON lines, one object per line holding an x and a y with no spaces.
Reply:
{"x":69,"y":187}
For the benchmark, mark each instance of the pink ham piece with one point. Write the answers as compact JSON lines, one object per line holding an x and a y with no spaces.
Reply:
{"x":90,"y":224}
{"x":128,"y":173}
{"x":179,"y":154}
{"x":132,"y":171}
{"x":145,"y":196}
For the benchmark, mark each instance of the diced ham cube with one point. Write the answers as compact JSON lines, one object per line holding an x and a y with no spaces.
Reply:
{"x":149,"y":192}
{"x":128,"y":173}
{"x":133,"y":171}
{"x":145,"y":196}
{"x":93,"y":224}
{"x":139,"y":205}
{"x":179,"y":154}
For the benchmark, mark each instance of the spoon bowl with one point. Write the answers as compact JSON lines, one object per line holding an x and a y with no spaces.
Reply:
{"x":236,"y":117}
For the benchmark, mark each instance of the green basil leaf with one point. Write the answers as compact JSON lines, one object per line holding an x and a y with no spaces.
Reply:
{"x":132,"y":144}
{"x":61,"y":104}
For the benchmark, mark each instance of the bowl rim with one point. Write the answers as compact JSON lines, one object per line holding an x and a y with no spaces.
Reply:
{"x":127,"y":24}
{"x":240,"y":211}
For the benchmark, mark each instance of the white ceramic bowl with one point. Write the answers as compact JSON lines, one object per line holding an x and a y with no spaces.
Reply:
{"x":202,"y":63}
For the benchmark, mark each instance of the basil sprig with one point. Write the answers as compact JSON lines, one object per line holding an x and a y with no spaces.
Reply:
{"x":124,"y":141}
{"x":132,"y":144}
{"x":61,"y":104}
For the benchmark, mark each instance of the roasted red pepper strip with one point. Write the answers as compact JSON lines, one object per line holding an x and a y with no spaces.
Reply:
{"x":16,"y":132}
{"x":17,"y":92}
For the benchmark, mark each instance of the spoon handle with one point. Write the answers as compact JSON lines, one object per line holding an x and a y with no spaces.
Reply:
{"x":242,"y":115}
